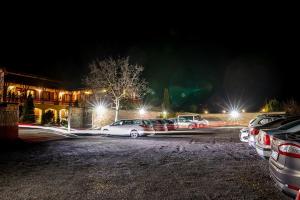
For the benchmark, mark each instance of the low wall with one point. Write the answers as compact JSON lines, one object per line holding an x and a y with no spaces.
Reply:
{"x":8,"y":123}
{"x":225,"y":119}
{"x":242,"y":120}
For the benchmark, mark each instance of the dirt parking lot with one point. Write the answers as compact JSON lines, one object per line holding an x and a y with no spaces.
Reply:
{"x":209,"y":165}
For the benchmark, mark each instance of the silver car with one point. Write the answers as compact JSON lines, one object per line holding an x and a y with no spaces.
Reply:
{"x":265,"y":136}
{"x":285,"y":162}
{"x":129,"y":127}
{"x":258,"y":121}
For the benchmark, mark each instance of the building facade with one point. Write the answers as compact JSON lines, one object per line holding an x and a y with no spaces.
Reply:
{"x":47,"y":94}
{"x":51,"y":95}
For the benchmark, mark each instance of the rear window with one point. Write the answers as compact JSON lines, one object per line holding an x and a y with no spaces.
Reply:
{"x":289,"y":125}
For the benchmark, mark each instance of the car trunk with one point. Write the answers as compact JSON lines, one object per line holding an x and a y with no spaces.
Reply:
{"x":286,"y":145}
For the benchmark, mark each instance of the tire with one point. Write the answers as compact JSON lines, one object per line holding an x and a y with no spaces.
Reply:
{"x":134,"y":134}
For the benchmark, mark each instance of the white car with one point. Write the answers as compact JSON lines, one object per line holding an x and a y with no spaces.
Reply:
{"x":260,"y":120}
{"x":129,"y":127}
{"x":183,"y":123}
{"x":197,"y":119}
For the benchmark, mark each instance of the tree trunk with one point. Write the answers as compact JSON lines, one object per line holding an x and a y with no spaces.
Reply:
{"x":117,"y":109}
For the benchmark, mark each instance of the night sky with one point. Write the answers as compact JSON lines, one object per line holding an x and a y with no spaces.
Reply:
{"x":202,"y":60}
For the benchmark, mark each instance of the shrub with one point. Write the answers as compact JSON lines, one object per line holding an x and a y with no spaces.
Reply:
{"x":291,"y":107}
{"x":272,"y":106}
{"x":28,"y":110}
{"x":48,"y":117}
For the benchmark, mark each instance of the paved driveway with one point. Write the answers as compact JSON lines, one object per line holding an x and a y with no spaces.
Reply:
{"x":207,"y":165}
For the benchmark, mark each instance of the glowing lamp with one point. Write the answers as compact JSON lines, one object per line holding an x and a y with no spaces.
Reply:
{"x":234,"y":114}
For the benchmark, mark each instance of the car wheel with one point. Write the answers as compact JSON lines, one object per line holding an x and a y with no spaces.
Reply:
{"x":134,"y":134}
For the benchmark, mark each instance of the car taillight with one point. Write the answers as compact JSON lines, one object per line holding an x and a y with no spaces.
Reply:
{"x":267,"y":140}
{"x":289,"y":149}
{"x":254,"y":131}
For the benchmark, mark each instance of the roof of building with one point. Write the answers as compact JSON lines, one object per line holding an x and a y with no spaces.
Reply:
{"x":33,"y":80}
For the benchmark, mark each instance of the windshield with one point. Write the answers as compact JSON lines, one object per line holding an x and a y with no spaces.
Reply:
{"x":190,"y":118}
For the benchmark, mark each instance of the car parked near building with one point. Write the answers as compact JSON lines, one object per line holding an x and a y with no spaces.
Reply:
{"x":284,"y":163}
{"x":129,"y":127}
{"x":197,"y":119}
{"x":258,"y":121}
{"x":265,"y":136}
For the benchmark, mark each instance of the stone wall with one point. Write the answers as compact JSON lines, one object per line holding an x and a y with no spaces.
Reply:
{"x":109,"y":116}
{"x":9,"y":117}
{"x":243,"y":118}
{"x":88,"y":118}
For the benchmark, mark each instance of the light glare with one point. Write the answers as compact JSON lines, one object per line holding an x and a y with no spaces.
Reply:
{"x":234,"y":114}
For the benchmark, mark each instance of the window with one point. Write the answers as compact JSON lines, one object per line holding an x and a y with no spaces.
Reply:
{"x":264,"y":121}
{"x":117,"y":123}
{"x":146,"y":122}
{"x":127,"y":122}
{"x":188,"y":117}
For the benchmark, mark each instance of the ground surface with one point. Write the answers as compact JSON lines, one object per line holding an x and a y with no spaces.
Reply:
{"x":211,"y":165}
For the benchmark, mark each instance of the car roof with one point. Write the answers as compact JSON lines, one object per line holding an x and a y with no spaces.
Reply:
{"x":272,"y":115}
{"x":279,"y":122}
{"x":189,"y":115}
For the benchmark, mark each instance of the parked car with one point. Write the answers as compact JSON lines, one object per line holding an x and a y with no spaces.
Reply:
{"x":244,"y":134}
{"x":159,"y":124}
{"x":197,"y":119}
{"x":284,"y":163}
{"x":170,"y":125}
{"x":253,"y":131}
{"x":265,"y":136}
{"x":183,"y":123}
{"x":128,"y":127}
{"x":258,"y":121}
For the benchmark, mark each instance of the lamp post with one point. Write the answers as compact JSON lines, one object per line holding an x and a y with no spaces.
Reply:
{"x":69,"y":117}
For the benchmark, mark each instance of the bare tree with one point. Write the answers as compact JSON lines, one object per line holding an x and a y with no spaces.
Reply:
{"x":119,"y":78}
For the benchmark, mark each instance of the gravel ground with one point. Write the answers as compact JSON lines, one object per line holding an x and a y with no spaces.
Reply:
{"x":199,"y":166}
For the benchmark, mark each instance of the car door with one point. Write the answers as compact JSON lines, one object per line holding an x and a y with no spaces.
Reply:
{"x":126,"y":127}
{"x":115,"y":128}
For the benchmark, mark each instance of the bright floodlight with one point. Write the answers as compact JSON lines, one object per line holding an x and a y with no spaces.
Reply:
{"x":234,"y":114}
{"x":142,"y":111}
{"x":165,"y":112}
{"x":100,"y":109}
{"x":224,"y":111}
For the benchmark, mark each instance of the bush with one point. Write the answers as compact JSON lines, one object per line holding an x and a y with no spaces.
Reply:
{"x":64,"y":123}
{"x":291,"y":107}
{"x":272,"y":106}
{"x":28,"y":110}
{"x":48,"y":117}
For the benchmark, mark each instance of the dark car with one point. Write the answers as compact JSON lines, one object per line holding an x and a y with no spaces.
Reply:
{"x":284,"y":163}
{"x":170,"y":125}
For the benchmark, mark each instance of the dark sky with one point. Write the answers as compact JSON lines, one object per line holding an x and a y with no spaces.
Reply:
{"x":202,"y":59}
